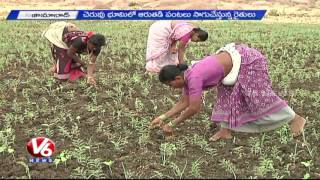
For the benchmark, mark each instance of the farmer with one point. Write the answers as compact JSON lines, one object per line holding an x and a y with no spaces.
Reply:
{"x":67,"y":43}
{"x":163,"y":39}
{"x":245,"y":102}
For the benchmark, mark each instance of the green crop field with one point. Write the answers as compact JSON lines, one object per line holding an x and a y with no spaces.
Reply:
{"x":104,"y":132}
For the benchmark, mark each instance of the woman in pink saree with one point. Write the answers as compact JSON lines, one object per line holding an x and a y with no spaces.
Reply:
{"x":245,"y":104}
{"x":163,"y":39}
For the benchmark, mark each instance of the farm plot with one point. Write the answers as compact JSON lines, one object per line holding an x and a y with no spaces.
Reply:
{"x":104,"y":132}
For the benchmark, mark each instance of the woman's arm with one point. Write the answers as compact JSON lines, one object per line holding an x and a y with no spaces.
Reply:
{"x":177,"y":108}
{"x":193,"y":108}
{"x":92,"y":65}
{"x":72,"y":53}
{"x":91,"y":69}
{"x":173,"y":47}
{"x":193,"y":92}
{"x":181,"y":51}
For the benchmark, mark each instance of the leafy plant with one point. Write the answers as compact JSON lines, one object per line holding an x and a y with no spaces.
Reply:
{"x":229,"y":167}
{"x":167,"y":150}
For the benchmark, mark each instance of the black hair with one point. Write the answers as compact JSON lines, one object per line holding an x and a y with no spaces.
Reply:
{"x":169,"y":72}
{"x":203,"y":35}
{"x":97,"y":40}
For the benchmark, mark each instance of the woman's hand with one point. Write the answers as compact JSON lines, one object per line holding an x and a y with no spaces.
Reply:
{"x":168,"y":131}
{"x":174,"y":49}
{"x":53,"y":69}
{"x":157,"y":122}
{"x":91,"y":80}
{"x":82,"y":63}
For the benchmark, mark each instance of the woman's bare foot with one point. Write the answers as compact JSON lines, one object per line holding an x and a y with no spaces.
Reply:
{"x":223,"y":133}
{"x":297,"y":125}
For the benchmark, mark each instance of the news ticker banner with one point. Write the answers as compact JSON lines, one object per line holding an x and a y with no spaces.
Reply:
{"x":136,"y":14}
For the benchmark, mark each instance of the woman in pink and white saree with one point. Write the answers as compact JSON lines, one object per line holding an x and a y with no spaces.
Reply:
{"x":164,"y":36}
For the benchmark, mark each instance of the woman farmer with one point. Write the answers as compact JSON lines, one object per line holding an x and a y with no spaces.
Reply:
{"x":68,"y":42}
{"x":163,"y":39}
{"x":246,"y":101}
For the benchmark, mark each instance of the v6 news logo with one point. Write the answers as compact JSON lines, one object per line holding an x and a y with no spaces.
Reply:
{"x":41,"y":148}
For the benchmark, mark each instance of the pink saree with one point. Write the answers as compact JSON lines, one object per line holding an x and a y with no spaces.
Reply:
{"x":160,"y":38}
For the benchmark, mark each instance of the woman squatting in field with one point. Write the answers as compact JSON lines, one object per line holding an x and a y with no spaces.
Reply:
{"x":68,"y":42}
{"x":246,"y":101}
{"x":163,"y":39}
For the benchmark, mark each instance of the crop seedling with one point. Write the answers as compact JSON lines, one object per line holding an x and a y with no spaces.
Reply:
{"x":99,"y":126}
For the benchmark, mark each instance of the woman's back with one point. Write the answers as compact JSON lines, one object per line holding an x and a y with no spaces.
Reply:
{"x":204,"y":74}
